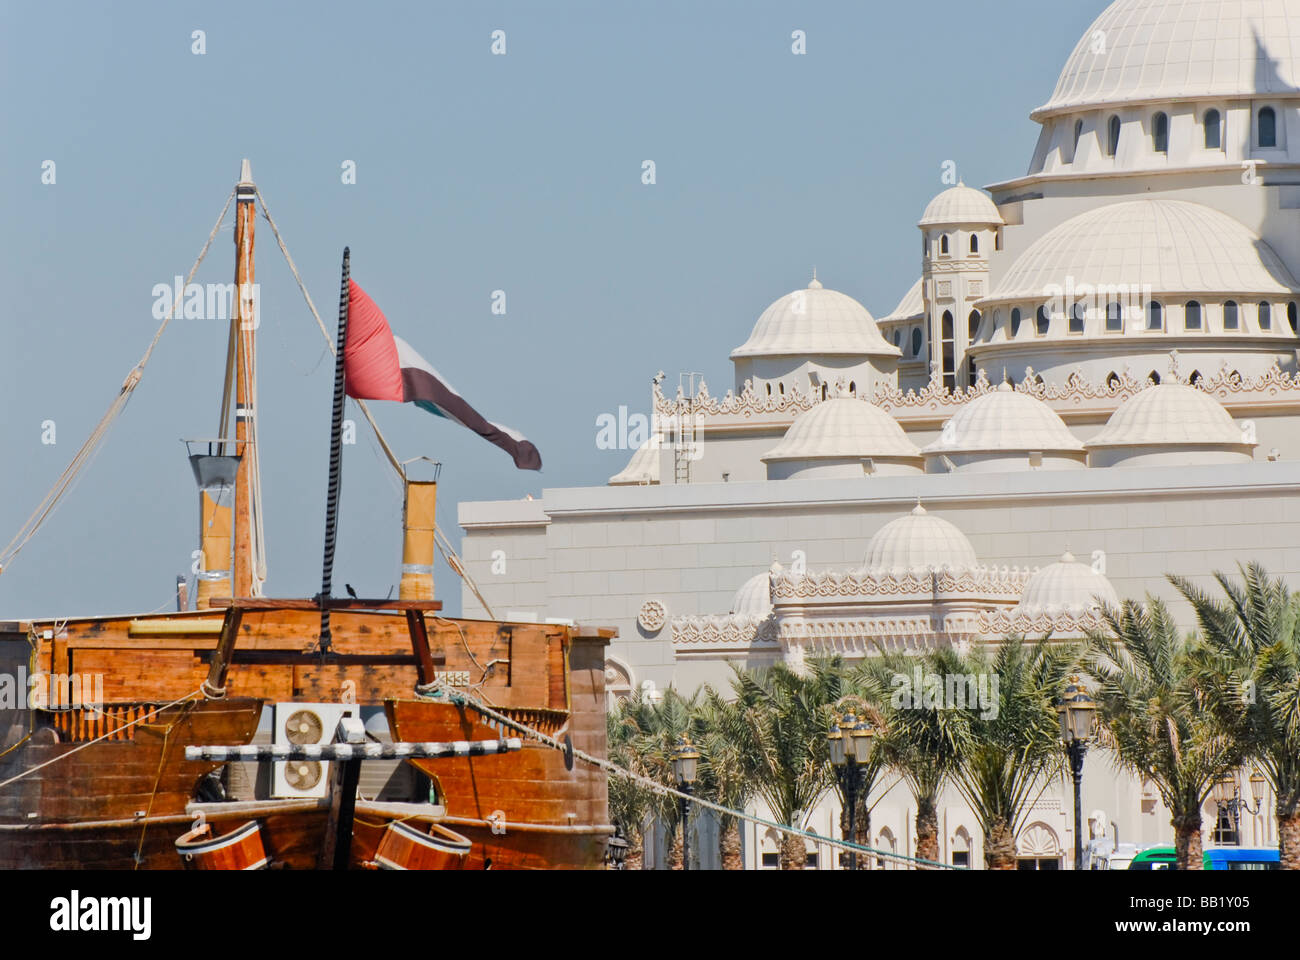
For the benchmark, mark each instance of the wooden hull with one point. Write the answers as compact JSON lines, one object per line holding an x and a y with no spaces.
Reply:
{"x":121,"y":803}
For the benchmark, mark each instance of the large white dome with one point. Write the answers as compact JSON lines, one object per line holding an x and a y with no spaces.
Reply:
{"x":1005,"y":420}
{"x":961,"y":205}
{"x":1175,"y":246}
{"x":1142,"y":50}
{"x":919,"y":542}
{"x":815,"y":322}
{"x":843,"y":428}
{"x":1066,"y":587}
{"x":1170,"y":414}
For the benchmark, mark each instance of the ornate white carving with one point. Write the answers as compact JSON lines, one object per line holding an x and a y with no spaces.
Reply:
{"x":1006,"y":582}
{"x":1006,"y":622}
{"x":1226,"y":386}
{"x":725,"y":632}
{"x":652,"y":615}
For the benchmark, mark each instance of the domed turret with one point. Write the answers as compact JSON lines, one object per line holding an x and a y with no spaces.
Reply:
{"x":961,"y":205}
{"x":919,"y":542}
{"x":1066,"y":587}
{"x":754,"y":598}
{"x":809,"y":339}
{"x":841,"y":438}
{"x":1004,"y":430}
{"x":1170,"y":424}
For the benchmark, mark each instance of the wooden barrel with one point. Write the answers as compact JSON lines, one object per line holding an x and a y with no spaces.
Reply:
{"x":240,"y":849}
{"x":404,"y":847}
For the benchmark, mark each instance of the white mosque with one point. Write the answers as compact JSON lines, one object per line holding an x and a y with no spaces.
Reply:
{"x":1092,"y":384}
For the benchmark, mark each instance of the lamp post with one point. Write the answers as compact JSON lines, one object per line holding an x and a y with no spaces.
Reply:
{"x":685,"y":760}
{"x":1227,"y":796}
{"x":850,"y":744}
{"x":1078,"y":713}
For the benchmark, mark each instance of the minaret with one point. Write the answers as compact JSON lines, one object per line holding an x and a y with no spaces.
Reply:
{"x":962,"y":228}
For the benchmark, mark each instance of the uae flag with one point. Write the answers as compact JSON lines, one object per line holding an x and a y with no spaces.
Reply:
{"x":380,"y":366}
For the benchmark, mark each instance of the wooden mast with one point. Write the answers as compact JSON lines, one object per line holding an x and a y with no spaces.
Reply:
{"x":244,"y":318}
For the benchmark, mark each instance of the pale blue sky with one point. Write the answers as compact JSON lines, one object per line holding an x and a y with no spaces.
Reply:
{"x":474,"y":173}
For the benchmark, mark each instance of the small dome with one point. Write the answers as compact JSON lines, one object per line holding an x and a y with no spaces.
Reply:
{"x":754,"y":598}
{"x":911,"y":307}
{"x":1067,"y":586}
{"x":815,"y":322}
{"x":1170,"y":414}
{"x":919,"y":541}
{"x":1174,"y":246}
{"x":1005,"y":420}
{"x":843,"y":428}
{"x":1175,"y":50}
{"x":961,"y":205}
{"x":642,"y":468}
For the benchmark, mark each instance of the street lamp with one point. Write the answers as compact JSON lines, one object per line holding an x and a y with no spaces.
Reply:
{"x":685,"y":760}
{"x":1227,"y":796}
{"x":850,"y":744}
{"x":1078,"y":715}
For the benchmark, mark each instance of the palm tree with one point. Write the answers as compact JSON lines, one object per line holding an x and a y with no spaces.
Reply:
{"x":630,"y":802}
{"x":779,"y":724}
{"x":723,"y":776}
{"x":921,"y":742}
{"x":1253,"y":675}
{"x":1010,"y":740}
{"x":1155,"y":714}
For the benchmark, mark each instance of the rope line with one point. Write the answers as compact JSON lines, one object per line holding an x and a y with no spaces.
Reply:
{"x":63,"y":756}
{"x":89,"y":448}
{"x":459,"y":697}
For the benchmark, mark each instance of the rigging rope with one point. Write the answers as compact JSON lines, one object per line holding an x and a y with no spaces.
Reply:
{"x":459,"y":696}
{"x":88,"y":449}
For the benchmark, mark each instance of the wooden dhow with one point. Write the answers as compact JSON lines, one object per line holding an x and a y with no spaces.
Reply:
{"x":100,"y":779}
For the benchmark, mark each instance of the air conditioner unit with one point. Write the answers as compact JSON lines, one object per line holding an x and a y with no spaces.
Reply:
{"x":300,"y":724}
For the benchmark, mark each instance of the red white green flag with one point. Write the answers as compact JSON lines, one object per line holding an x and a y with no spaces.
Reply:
{"x":380,"y":366}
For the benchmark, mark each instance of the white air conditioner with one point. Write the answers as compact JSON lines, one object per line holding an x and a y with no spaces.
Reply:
{"x":299,"y":724}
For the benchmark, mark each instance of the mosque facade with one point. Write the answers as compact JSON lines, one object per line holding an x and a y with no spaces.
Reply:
{"x":1092,"y":384}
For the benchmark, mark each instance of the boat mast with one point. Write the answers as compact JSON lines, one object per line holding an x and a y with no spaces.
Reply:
{"x":244,"y":319}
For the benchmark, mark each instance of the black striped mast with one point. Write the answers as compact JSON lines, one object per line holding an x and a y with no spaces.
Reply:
{"x":336,"y":461}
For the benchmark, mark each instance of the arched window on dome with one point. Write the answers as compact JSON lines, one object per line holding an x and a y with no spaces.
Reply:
{"x":925,"y":245}
{"x":1112,"y":138}
{"x":825,"y":391}
{"x":1078,"y":316}
{"x":974,"y":243}
{"x":781,"y":388}
{"x":1015,"y":322}
{"x":853,"y":388}
{"x":1154,"y":377}
{"x":1078,"y":135}
{"x":972,"y":372}
{"x":1268,"y":127}
{"x":1114,"y":317}
{"x":997,"y":239}
{"x":769,"y":389}
{"x":1231,"y":316}
{"x":973,"y":326}
{"x":1044,"y":321}
{"x":916,"y":341}
{"x":1155,"y":316}
{"x":948,"y":355}
{"x":943,"y":245}
{"x":1213,"y":130}
{"x":1160,"y":133}
{"x":898,"y":337}
{"x":1292,"y":318}
{"x":1265,"y":316}
{"x":1112,"y":382}
{"x":1192,"y":318}
{"x":1196,"y":377}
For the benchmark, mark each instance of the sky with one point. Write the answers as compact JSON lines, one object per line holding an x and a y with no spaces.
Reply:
{"x":475,"y":172}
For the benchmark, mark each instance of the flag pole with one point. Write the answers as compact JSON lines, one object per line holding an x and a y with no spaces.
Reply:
{"x":336,"y":459}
